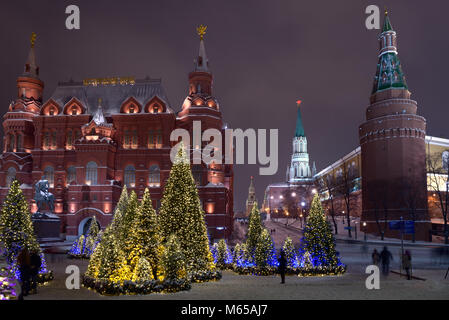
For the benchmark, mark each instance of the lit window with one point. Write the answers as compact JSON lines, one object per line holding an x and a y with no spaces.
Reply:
{"x":154,"y":179}
{"x":49,"y":175}
{"x":91,"y":173}
{"x":130,"y":176}
{"x":197,"y":172}
{"x":71,"y":174}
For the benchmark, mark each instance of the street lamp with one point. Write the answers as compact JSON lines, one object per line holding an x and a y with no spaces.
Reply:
{"x":301,"y":219}
{"x":364,"y":230}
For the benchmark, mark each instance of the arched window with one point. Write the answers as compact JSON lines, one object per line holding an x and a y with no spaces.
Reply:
{"x":154,"y":179}
{"x":91,"y":173}
{"x":49,"y":174}
{"x":197,"y":172}
{"x":10,"y":176}
{"x":130,"y":176}
{"x":71,"y":174}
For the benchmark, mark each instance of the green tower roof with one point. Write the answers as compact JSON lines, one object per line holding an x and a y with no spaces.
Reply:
{"x":387,"y":24}
{"x":299,"y":132}
{"x":389,"y":74}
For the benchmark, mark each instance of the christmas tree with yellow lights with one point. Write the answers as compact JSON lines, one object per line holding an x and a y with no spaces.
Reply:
{"x":290,"y":254}
{"x":318,"y":240}
{"x":108,"y":260}
{"x":254,"y":230}
{"x":120,"y":209}
{"x":181,"y":214}
{"x":173,"y":260}
{"x":143,"y":240}
{"x":265,"y":252}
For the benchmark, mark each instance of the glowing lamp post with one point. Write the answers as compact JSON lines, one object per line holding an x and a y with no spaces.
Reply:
{"x":364,"y":231}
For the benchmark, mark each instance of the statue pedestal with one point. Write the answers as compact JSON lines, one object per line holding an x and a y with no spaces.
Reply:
{"x":46,"y":225}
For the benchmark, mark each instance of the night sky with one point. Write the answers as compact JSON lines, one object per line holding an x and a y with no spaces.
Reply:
{"x":264,"y":55}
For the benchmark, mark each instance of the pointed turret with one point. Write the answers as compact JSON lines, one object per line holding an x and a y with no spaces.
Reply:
{"x":200,"y":79}
{"x":389,"y":74}
{"x":387,"y":24}
{"x":299,"y":132}
{"x":29,"y":86}
{"x":99,"y":116}
{"x":251,"y":197}
{"x":31,"y":68}
{"x":201,"y":62}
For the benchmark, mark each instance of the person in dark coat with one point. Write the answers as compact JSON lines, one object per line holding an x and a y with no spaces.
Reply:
{"x":385,"y":257}
{"x":375,"y":256}
{"x":407,"y":263}
{"x":282,"y":265}
{"x":23,"y":263}
{"x":35,"y":265}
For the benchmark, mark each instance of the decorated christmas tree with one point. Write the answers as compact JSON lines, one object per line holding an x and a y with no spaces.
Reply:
{"x":120,"y":209}
{"x":124,"y":228}
{"x":265,"y":253}
{"x":16,"y":227}
{"x":318,"y":240}
{"x":142,"y":271}
{"x":290,"y":253}
{"x":143,"y":238}
{"x":173,"y":260}
{"x":222,"y":255}
{"x":93,"y":228}
{"x":108,"y":260}
{"x":17,"y":232}
{"x":181,"y":214}
{"x":254,"y":230}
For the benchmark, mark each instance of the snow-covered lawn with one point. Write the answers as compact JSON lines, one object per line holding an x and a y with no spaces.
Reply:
{"x":233,"y":286}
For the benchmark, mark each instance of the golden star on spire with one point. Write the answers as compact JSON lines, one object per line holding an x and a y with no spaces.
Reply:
{"x":201,"y":30}
{"x":33,"y":39}
{"x":386,"y":11}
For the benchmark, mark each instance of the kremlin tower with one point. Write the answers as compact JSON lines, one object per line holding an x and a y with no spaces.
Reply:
{"x":393,"y":150}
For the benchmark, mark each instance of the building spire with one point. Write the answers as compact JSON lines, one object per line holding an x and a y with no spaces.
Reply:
{"x":389,"y":74}
{"x":99,"y":116}
{"x":387,"y":24}
{"x":299,"y":132}
{"x":201,"y":62}
{"x":31,"y":68}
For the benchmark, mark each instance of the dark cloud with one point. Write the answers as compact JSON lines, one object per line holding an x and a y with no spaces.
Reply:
{"x":264,"y":56}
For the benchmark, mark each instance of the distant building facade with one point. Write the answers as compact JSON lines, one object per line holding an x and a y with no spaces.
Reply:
{"x":291,"y":197}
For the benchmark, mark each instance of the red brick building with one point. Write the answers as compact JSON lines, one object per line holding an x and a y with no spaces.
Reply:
{"x":90,"y":138}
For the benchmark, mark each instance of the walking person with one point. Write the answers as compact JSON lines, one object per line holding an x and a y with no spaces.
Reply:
{"x":375,"y":256}
{"x":282,"y":265}
{"x":35,"y":265}
{"x":23,"y":263}
{"x":385,"y":257}
{"x":407,"y":264}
